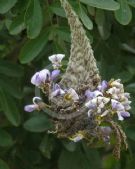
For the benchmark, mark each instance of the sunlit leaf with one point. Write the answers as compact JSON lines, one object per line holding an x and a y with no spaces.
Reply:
{"x":124,"y":14}
{"x":103,"y":4}
{"x":85,"y":19}
{"x":131,"y":2}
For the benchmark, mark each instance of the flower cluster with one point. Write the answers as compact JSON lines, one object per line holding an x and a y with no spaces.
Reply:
{"x":46,"y":79}
{"x":108,"y":99}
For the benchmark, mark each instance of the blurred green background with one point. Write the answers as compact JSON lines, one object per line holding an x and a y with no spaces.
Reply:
{"x":30,"y":31}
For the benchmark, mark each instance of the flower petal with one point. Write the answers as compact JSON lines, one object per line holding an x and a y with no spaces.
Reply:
{"x":44,"y":75}
{"x":120,"y":116}
{"x":56,"y":58}
{"x":103,"y":85}
{"x":36,"y":79}
{"x":125,"y":114}
{"x":55,"y":74}
{"x":30,"y":108}
{"x":73,"y":94}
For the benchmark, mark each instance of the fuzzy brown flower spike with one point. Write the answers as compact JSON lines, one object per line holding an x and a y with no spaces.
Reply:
{"x":82,"y":68}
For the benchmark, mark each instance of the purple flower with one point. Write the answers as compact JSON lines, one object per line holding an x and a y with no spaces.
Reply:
{"x":103,"y":85}
{"x":127,"y":95}
{"x":55,"y":74}
{"x":91,"y":95}
{"x":31,"y":107}
{"x":56,"y":60}
{"x":122,"y":115}
{"x":41,"y":77}
{"x":91,"y":105}
{"x":57,"y":91}
{"x":117,"y":105}
{"x":72,"y":93}
{"x":125,"y":114}
{"x":36,"y":79}
{"x":34,"y":106}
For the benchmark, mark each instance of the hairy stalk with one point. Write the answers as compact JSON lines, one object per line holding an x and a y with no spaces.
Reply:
{"x":82,"y":68}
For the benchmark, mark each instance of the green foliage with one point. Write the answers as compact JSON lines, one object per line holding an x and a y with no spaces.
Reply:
{"x":124,"y":14}
{"x":30,"y":31}
{"x":6,"y":5}
{"x":33,"y":18}
{"x":3,"y":165}
{"x":38,"y":123}
{"x":5,"y":139}
{"x":102,"y":4}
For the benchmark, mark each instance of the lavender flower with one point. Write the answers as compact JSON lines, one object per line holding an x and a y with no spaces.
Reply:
{"x":44,"y":76}
{"x":41,"y":77}
{"x":56,"y":60}
{"x":72,"y":94}
{"x":31,"y":107}
{"x":116,"y":83}
{"x":122,"y":115}
{"x":34,"y":106}
{"x":91,"y":95}
{"x":55,"y":74}
{"x":57,"y":91}
{"x":117,"y":105}
{"x":103,"y":86}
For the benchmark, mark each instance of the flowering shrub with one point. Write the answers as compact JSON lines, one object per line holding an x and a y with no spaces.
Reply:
{"x":30,"y":31}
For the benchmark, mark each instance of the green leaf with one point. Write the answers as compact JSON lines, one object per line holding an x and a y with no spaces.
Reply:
{"x":125,"y":76}
{"x":56,"y":9}
{"x":10,"y":87}
{"x":63,"y":33}
{"x":33,"y":19}
{"x":92,"y":155}
{"x":131,"y":87}
{"x":46,"y":146}
{"x":6,"y":5}
{"x":3,"y":164}
{"x":124,"y":14}
{"x":103,"y":4}
{"x":10,"y":69}
{"x":17,"y":25}
{"x":9,"y":107}
{"x":104,"y":27}
{"x":85,"y":19}
{"x":130,"y":132}
{"x":33,"y":47}
{"x":131,"y":2}
{"x":39,"y":123}
{"x":73,"y":160}
{"x":69,"y":145}
{"x":5,"y":139}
